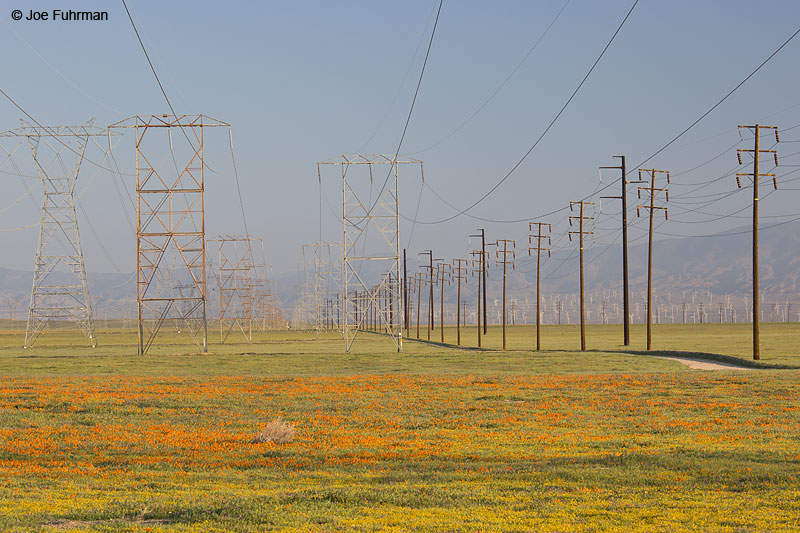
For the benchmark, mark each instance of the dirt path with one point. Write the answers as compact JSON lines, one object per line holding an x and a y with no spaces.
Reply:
{"x":696,"y":364}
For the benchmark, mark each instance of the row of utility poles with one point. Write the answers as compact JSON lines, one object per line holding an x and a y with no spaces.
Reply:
{"x":505,"y":254}
{"x":651,"y":192}
{"x":439,"y":273}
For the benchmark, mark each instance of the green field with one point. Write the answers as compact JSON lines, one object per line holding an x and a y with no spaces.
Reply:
{"x":435,"y":438}
{"x":297,"y":352}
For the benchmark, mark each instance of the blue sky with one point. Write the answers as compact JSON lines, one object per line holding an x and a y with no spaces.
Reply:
{"x":301,"y":82}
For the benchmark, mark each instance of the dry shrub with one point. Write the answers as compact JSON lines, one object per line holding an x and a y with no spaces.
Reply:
{"x":277,"y":431}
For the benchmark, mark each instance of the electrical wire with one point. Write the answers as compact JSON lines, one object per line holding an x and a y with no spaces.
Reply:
{"x":96,"y":236}
{"x":410,"y":111}
{"x":61,"y":74}
{"x":147,"y":56}
{"x":402,"y":82}
{"x":236,"y":179}
{"x":546,"y":130}
{"x":50,"y":131}
{"x":734,"y":232}
{"x":719,"y":102}
{"x":499,"y":87}
{"x":659,"y":151}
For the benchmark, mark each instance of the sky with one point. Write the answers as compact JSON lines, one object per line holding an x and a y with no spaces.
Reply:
{"x":302,"y":82}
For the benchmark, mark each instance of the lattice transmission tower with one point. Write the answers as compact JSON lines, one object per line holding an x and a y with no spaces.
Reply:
{"x":170,"y":223}
{"x":361,"y":211}
{"x":236,"y":288}
{"x":258,"y":291}
{"x":323,"y":271}
{"x":60,"y":290}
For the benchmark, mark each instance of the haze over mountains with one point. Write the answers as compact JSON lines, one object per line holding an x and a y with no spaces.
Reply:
{"x":720,"y":264}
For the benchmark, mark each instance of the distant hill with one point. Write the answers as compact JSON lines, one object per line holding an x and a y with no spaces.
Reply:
{"x":719,"y":264}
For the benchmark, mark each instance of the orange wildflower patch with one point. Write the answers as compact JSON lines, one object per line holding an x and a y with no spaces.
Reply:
{"x":568,"y":435}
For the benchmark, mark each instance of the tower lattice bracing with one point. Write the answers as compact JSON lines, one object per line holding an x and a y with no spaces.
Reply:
{"x":60,"y":291}
{"x":323,"y":280}
{"x":371,"y":243}
{"x":236,"y":295}
{"x":170,"y":226}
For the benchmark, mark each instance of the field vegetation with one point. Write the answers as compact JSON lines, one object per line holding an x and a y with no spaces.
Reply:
{"x":436,"y":438}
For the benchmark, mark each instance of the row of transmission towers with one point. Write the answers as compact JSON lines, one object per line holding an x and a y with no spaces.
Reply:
{"x":370,"y":262}
{"x":60,"y":290}
{"x":171,"y":255}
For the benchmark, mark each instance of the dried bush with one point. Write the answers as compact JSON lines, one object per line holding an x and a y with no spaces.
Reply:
{"x":277,"y":431}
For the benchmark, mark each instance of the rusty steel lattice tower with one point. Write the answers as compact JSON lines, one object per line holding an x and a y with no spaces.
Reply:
{"x":259,"y":296}
{"x":57,"y":155}
{"x":360,"y":213}
{"x":170,"y":222}
{"x":236,"y":288}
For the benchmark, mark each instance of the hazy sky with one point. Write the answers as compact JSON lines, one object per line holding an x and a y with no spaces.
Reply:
{"x":301,"y":82}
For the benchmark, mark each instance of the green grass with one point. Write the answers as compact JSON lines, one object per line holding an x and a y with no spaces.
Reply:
{"x":435,"y":438}
{"x":296,"y":352}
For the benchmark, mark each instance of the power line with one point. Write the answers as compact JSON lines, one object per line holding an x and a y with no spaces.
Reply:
{"x":734,"y":232}
{"x":546,"y":130}
{"x":172,"y":109}
{"x":704,"y":115}
{"x":48,"y":130}
{"x":147,"y":56}
{"x":408,"y":119}
{"x":499,"y":87}
{"x":403,"y":82}
{"x":236,"y":179}
{"x":668,"y":144}
{"x":722,"y":153}
{"x":61,"y":74}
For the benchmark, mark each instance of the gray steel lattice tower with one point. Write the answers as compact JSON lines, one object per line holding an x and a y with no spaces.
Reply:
{"x":57,"y":295}
{"x":382,"y":215}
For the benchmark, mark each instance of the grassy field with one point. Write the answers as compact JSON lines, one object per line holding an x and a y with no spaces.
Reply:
{"x":434,"y":439}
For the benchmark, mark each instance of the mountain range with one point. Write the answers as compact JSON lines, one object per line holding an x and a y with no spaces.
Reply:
{"x":719,"y":264}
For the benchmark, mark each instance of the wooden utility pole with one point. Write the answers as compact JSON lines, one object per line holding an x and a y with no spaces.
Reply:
{"x":756,"y":153}
{"x":580,"y":234}
{"x":482,"y":235}
{"x":418,"y":287}
{"x":405,"y":292}
{"x":478,"y":272}
{"x":651,"y":190}
{"x":442,"y":273}
{"x":431,"y":278}
{"x":434,"y":283}
{"x":390,"y":293}
{"x":505,"y":262}
{"x":626,"y":319}
{"x":539,"y":236}
{"x":458,"y":264}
